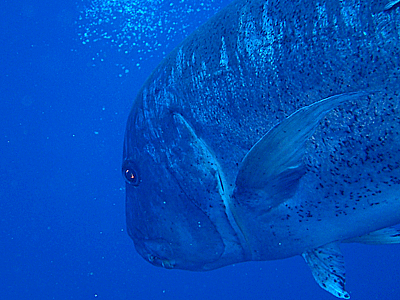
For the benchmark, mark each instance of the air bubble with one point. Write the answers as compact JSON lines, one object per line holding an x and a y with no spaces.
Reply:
{"x":142,"y":25}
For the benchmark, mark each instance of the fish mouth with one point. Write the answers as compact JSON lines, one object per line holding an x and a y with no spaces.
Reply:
{"x":156,"y":252}
{"x":161,"y":262}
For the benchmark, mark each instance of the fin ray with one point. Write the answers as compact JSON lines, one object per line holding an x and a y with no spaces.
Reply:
{"x":274,"y":164}
{"x":391,"y":4}
{"x":327,"y":266}
{"x":384,"y":236}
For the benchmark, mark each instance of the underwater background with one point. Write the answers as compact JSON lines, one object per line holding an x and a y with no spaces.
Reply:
{"x":69,"y":72}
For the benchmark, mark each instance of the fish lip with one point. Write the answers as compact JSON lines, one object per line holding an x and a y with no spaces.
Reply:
{"x":145,"y":248}
{"x":161,"y":262}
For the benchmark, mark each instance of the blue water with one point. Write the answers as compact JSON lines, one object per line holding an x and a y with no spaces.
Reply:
{"x":65,"y":98}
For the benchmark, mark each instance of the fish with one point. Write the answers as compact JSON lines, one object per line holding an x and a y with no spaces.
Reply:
{"x":272,"y":131}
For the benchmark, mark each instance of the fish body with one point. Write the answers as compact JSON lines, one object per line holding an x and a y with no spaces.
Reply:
{"x":272,"y":131}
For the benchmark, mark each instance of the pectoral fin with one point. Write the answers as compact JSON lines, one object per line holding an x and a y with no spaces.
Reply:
{"x":327,"y":266}
{"x":274,"y":166}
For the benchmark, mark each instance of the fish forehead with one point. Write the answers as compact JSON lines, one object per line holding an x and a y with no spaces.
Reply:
{"x":255,"y":65}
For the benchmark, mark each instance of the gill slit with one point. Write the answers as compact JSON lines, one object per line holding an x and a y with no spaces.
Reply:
{"x":222,"y":188}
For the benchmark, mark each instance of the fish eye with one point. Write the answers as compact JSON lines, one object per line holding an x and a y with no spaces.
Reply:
{"x":130,"y":173}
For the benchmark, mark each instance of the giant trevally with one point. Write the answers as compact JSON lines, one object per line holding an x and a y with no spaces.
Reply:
{"x":272,"y":131}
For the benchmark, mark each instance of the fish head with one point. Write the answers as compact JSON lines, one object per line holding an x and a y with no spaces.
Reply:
{"x":169,"y":191}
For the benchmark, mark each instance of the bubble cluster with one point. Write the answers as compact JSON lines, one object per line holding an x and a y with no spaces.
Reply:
{"x":141,"y":28}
